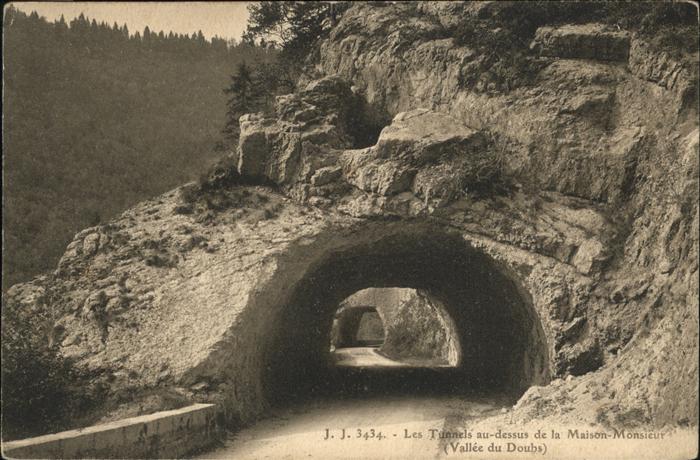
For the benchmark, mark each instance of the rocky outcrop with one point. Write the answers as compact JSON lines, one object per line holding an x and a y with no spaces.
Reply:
{"x":163,"y":303}
{"x":563,"y":128}
{"x":426,"y":162}
{"x":588,"y":128}
{"x":431,"y":156}
{"x":278,"y":147}
{"x":420,"y":140}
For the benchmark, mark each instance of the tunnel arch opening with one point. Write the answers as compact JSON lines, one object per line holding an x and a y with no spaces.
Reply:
{"x":502,"y":344}
{"x":357,"y":326}
{"x":407,"y":327}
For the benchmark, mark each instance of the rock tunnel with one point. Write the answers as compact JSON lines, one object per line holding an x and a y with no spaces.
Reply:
{"x":503,"y":346}
{"x":358,"y":326}
{"x":406,"y":326}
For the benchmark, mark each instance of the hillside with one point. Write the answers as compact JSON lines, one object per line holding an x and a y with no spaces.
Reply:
{"x":97,"y":119}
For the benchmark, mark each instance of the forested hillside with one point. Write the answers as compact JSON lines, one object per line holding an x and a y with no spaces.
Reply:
{"x":97,"y":118}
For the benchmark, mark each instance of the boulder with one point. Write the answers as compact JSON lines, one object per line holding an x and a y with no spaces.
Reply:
{"x":284,"y":156}
{"x":423,"y":136}
{"x":253,"y":149}
{"x":278,"y":148}
{"x":589,"y":256}
{"x":432,"y":144}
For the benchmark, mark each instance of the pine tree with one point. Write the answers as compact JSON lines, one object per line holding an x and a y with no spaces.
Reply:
{"x":295,"y":26}
{"x":61,"y":29}
{"x":242,"y":99}
{"x":147,"y":38}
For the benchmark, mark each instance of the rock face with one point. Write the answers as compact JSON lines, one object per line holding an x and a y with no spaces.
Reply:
{"x":588,"y":129}
{"x":304,"y":135}
{"x":661,"y":68}
{"x":421,"y":160}
{"x":587,"y":41}
{"x":566,"y":136}
{"x":558,"y":224}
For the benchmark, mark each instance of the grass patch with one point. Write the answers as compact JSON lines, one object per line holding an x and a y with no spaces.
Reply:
{"x":218,"y":190}
{"x":484,"y":173}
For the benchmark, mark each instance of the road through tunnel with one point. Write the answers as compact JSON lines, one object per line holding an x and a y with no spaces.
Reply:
{"x":501,"y":344}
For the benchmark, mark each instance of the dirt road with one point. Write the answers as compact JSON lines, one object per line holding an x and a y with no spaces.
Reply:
{"x":370,"y":357}
{"x":364,"y":357}
{"x":365,"y":428}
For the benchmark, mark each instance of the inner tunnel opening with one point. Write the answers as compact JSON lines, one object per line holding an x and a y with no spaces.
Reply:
{"x":448,"y":318}
{"x":393,"y":327}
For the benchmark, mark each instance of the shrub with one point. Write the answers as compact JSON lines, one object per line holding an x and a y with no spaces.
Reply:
{"x":183,"y":208}
{"x":484,"y":175}
{"x":220,"y":176}
{"x":504,"y":61}
{"x":189,"y":193}
{"x":41,"y":390}
{"x":223,"y":174}
{"x":484,"y":172}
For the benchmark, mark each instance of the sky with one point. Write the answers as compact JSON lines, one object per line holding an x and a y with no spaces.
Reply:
{"x":224,"y":19}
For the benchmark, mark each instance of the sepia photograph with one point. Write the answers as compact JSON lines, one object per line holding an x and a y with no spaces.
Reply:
{"x":350,"y":230}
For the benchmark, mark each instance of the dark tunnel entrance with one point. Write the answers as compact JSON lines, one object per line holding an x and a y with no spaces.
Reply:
{"x":502,"y":348}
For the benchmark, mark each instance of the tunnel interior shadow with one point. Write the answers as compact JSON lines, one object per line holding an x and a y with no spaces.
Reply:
{"x":503,"y":349}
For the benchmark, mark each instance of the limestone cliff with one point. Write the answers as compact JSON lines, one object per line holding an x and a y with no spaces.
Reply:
{"x":566,"y":211}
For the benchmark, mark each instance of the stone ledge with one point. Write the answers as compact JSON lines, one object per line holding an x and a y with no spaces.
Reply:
{"x":582,"y":41}
{"x":167,"y":434}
